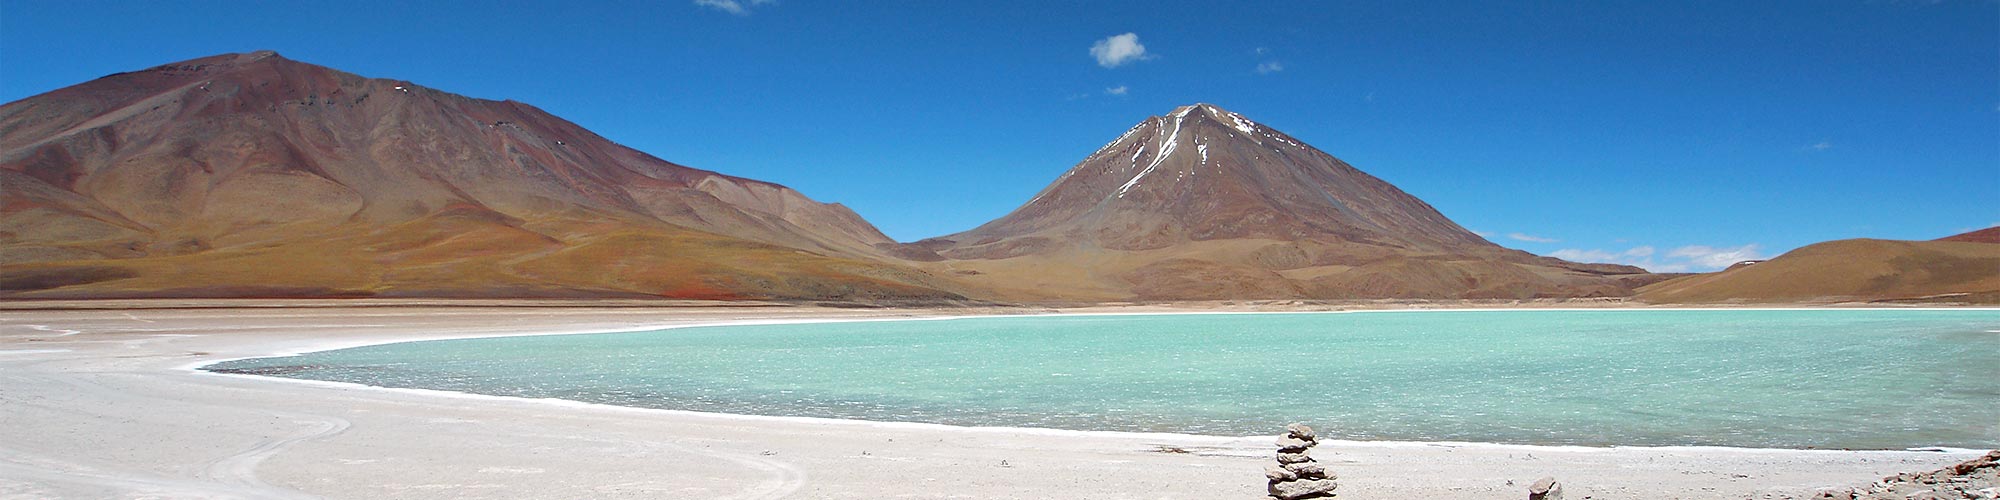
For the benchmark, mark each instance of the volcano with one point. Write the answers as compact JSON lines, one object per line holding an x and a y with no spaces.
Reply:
{"x":1204,"y":203}
{"x":252,"y":175}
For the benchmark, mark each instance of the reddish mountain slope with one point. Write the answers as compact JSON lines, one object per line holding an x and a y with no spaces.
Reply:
{"x":1988,"y":235}
{"x":1954,"y":269}
{"x":251,"y":174}
{"x":1203,"y":203}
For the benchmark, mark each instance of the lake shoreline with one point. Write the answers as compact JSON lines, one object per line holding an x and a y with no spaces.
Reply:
{"x":231,"y":367}
{"x":83,"y":369}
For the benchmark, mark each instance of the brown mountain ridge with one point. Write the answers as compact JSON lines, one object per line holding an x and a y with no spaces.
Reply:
{"x":254,"y":175}
{"x":1963,"y":268}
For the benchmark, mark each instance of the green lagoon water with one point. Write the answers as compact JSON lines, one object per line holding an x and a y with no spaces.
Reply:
{"x":1860,"y":379}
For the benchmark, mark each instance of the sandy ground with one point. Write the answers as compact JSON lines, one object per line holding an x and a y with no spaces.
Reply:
{"x":101,"y":403}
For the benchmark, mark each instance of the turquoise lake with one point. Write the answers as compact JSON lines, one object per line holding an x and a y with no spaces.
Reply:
{"x":1857,"y":379}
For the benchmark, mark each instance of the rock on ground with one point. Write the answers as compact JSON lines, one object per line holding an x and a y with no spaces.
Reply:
{"x":1303,"y":488}
{"x":1978,"y":479}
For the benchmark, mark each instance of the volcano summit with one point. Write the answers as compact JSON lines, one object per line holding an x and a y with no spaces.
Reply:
{"x":1204,"y":203}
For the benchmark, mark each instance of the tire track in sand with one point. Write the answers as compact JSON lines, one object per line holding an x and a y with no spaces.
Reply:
{"x":788,"y":478}
{"x":240,"y":470}
{"x":237,"y":471}
{"x":783,"y":479}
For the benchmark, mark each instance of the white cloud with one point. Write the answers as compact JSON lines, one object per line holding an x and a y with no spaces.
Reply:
{"x":1575,"y":255}
{"x":1260,"y":50}
{"x":1690,"y":258}
{"x":1531,"y":238}
{"x":1118,"y":90}
{"x":1116,"y":50}
{"x":1716,"y":258}
{"x":1822,"y":145}
{"x":1482,"y":234}
{"x":1270,"y":67}
{"x":734,"y":6}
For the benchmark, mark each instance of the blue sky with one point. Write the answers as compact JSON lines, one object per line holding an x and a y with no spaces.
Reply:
{"x":1677,"y":135}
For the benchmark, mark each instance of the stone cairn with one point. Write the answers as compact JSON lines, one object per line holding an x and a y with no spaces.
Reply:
{"x":1545,"y":488}
{"x":1297,"y":475}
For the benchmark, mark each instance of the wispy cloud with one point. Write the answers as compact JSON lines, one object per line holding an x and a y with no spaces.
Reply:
{"x":1268,"y":66}
{"x":1690,"y":258}
{"x":1531,"y":238}
{"x":1822,"y":145}
{"x":1117,"y":50}
{"x":741,"y":8}
{"x":1118,"y":90}
{"x":1716,"y":258}
{"x":1482,"y":234}
{"x":1578,"y":255}
{"x":1636,"y":254}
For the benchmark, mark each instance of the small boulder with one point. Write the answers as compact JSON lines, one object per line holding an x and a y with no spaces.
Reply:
{"x":1311,"y":470}
{"x":1545,"y":488}
{"x":1294,"y":445}
{"x":1300,"y":431}
{"x":1303,"y":488}
{"x":1279,"y":474}
{"x":1293,"y":458}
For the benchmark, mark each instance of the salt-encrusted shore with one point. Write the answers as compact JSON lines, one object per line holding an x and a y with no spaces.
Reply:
{"x":105,"y":403}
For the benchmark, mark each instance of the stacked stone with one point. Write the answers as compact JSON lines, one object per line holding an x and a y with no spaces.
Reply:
{"x":1297,"y":475}
{"x":1545,"y":488}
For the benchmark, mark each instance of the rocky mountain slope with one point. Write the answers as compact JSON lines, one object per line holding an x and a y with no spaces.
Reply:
{"x":1988,"y":235}
{"x":1203,"y":203}
{"x":1961,"y":268}
{"x":255,"y":175}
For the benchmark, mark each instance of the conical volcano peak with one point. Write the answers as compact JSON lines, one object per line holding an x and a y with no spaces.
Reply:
{"x":1203,"y":173}
{"x":1203,"y":202}
{"x":1199,"y":106}
{"x":217,"y":63}
{"x":1202,"y":110}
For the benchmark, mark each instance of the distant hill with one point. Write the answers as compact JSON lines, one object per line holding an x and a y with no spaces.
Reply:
{"x":1203,"y":203}
{"x":1988,"y":235}
{"x":1961,"y":268}
{"x":252,"y":175}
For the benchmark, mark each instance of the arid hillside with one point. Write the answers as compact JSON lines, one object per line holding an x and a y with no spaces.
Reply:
{"x":1953,"y":269}
{"x":255,"y":175}
{"x":1988,"y":235}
